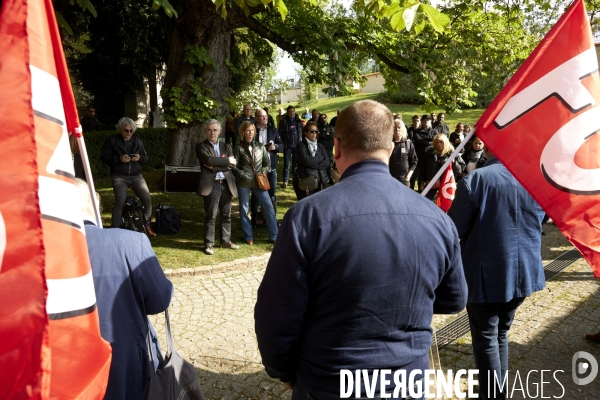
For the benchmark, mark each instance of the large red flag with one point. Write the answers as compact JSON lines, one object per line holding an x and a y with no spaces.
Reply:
{"x":50,"y":344}
{"x":447,"y":189}
{"x":543,"y":127}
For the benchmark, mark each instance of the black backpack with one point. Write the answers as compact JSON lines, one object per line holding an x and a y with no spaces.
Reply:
{"x":167,"y":220}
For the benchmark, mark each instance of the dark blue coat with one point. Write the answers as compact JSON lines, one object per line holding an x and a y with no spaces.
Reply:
{"x":500,"y":226}
{"x":130,"y":285}
{"x":272,"y":134}
{"x":355,"y":277}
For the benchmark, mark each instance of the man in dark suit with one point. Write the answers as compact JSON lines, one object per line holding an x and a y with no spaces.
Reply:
{"x":217,"y":185}
{"x":269,"y":136}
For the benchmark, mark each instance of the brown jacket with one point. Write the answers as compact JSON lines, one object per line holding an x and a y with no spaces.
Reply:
{"x":206,"y":154}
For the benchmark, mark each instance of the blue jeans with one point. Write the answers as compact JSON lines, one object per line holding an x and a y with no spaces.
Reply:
{"x":490,"y":323}
{"x":272,"y":176}
{"x":287,"y":154}
{"x":138,"y":185}
{"x":301,"y":392}
{"x":267,"y":206}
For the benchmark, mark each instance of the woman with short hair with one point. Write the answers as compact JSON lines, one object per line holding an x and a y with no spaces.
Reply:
{"x":252,"y":155}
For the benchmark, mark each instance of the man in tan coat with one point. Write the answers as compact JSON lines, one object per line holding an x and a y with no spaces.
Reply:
{"x":217,"y":185}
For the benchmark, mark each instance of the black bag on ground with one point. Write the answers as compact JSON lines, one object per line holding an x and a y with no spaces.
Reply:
{"x":167,"y":220}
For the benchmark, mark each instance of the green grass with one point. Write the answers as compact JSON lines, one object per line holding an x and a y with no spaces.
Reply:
{"x":184,"y":250}
{"x":330,"y":106}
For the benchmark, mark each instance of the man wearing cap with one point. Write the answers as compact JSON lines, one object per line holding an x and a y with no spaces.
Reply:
{"x":423,"y":136}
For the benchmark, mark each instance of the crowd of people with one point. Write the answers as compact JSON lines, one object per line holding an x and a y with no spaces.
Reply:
{"x":326,"y":301}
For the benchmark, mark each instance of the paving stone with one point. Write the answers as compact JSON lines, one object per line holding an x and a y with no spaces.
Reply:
{"x":212,"y":321}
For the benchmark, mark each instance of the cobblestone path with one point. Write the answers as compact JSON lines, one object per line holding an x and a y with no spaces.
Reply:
{"x":213,"y":326}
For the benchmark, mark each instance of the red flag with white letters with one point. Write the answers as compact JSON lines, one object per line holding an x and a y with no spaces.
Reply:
{"x":50,"y":343}
{"x":447,"y":189}
{"x":543,"y":127}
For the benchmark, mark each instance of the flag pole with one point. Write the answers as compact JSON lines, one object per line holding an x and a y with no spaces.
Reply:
{"x":448,"y":161}
{"x":88,"y":175}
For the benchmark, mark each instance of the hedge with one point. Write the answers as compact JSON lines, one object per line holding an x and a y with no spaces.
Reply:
{"x":155,"y":143}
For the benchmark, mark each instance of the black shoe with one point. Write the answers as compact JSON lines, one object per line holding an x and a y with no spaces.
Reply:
{"x":331,"y":182}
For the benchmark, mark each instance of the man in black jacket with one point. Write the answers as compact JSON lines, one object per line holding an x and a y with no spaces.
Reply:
{"x":440,"y":126}
{"x":125,"y":155}
{"x":326,"y":139}
{"x":290,"y":131}
{"x":268,"y":136}
{"x":422,"y":139}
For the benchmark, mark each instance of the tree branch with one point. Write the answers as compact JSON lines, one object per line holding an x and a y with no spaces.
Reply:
{"x":268,"y":34}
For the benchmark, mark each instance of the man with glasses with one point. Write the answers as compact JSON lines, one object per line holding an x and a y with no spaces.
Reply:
{"x":125,"y":155}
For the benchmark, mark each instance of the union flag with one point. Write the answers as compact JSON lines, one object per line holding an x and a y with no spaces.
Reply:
{"x":447,"y":189}
{"x":543,"y":127}
{"x":50,"y":344}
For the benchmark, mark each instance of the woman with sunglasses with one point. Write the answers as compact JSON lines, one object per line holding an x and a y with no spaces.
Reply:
{"x":125,"y":155}
{"x":312,"y":159}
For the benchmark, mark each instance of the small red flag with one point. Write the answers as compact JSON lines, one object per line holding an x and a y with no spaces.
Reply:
{"x":447,"y":189}
{"x":543,"y":127}
{"x":50,"y":343}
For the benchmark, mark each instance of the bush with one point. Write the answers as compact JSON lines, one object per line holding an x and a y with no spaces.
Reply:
{"x":400,"y":98}
{"x":155,"y":143}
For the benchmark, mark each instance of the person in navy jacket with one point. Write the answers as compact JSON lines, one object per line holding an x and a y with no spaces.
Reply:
{"x":358,"y":270}
{"x":500,"y":227}
{"x":130,"y":285}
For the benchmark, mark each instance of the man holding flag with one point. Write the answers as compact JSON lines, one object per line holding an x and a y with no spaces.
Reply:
{"x":500,"y":227}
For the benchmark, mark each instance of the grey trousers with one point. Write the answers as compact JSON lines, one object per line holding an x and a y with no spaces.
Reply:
{"x":139,"y":187}
{"x":218,"y":199}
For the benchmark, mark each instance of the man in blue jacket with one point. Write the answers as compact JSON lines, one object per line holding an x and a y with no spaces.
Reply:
{"x":130,"y":285}
{"x":500,"y":226}
{"x":358,"y":270}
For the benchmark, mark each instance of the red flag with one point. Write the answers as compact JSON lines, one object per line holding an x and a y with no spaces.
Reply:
{"x":49,"y":346}
{"x":447,"y":189}
{"x":543,"y":126}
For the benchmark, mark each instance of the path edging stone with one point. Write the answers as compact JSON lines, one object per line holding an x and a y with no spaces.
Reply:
{"x":241,"y":264}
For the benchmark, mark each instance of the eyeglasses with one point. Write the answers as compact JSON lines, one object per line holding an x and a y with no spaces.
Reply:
{"x":313,"y":131}
{"x":128,"y":130}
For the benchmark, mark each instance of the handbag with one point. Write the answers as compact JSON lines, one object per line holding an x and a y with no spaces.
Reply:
{"x":309,"y":183}
{"x":261,"y":179}
{"x":177,"y":379}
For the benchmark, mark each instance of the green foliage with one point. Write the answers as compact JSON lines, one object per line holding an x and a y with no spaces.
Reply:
{"x":189,"y":104}
{"x":116,"y":52}
{"x":192,"y":102}
{"x":155,"y":143}
{"x":250,"y":63}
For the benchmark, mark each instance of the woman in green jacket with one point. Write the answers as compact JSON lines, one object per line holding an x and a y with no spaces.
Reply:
{"x":245,"y":180}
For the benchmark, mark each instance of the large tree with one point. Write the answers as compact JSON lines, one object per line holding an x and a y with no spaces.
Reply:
{"x":450,"y":56}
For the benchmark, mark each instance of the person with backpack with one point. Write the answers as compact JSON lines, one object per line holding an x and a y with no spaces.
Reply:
{"x":403,"y":160}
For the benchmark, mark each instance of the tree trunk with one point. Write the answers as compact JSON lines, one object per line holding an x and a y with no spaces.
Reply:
{"x":199,"y":24}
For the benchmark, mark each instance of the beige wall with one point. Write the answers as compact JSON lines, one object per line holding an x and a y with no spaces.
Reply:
{"x":374,"y":83}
